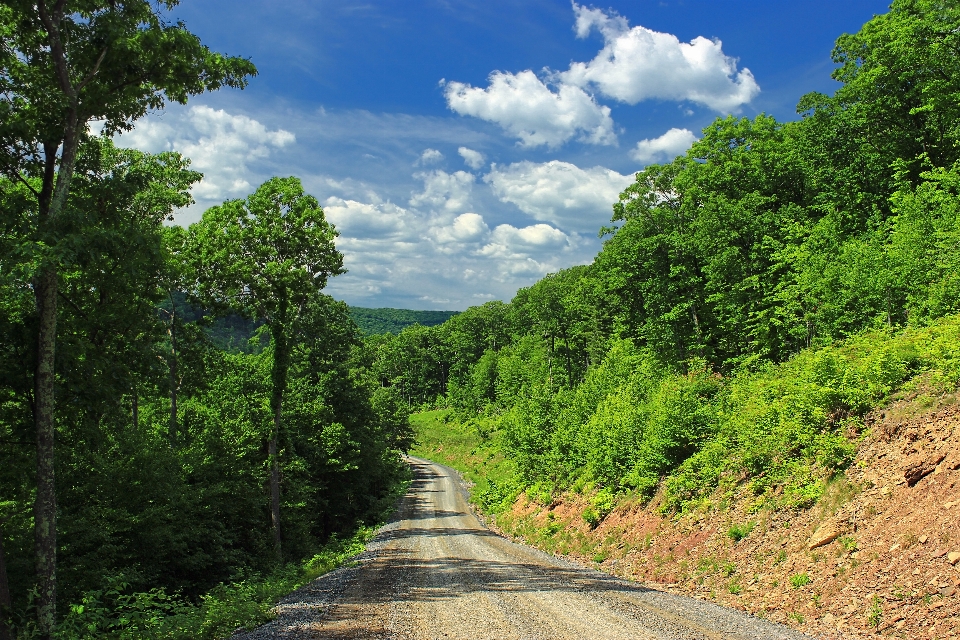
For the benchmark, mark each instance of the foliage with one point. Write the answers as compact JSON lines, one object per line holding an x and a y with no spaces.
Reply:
{"x":738,"y":532}
{"x":115,"y":612}
{"x":800,"y":580}
{"x":157,"y":507}
{"x":758,"y":295}
{"x":383,"y":320}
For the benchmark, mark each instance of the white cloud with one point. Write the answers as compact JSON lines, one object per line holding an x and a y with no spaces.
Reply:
{"x":560,"y":192}
{"x":529,"y":252}
{"x":587,"y":19}
{"x":361,"y":219}
{"x":525,"y":238}
{"x":665,"y":148}
{"x":430,"y":156}
{"x":220,"y":145}
{"x":473,"y":159}
{"x":526,"y":108}
{"x":446,"y":260}
{"x":641,"y":64}
{"x":466,"y":228}
{"x":444,"y":191}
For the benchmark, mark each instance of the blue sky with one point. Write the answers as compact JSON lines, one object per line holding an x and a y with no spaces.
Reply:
{"x":465,"y":149}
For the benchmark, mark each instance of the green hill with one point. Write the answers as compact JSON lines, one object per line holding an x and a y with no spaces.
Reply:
{"x":377,"y":321}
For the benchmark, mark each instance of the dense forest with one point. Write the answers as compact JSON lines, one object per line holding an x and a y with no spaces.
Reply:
{"x":744,"y":311}
{"x":386,"y":320}
{"x":164,"y":476}
{"x":162,"y":473}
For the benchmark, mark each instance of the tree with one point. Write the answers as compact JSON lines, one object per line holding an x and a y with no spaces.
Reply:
{"x":64,"y":64}
{"x":267,"y":257}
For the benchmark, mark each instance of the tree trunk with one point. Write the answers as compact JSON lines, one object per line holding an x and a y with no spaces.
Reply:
{"x":5,"y":601}
{"x":45,"y":506}
{"x":275,"y":486}
{"x":279,"y":383}
{"x":174,"y":382}
{"x":53,"y":199}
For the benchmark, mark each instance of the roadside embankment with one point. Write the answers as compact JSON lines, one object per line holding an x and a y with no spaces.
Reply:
{"x":878,"y":553}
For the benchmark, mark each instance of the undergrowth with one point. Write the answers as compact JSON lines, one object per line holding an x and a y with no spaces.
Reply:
{"x":783,"y":432}
{"x":115,"y":612}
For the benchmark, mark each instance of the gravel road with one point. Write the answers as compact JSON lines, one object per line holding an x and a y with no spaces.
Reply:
{"x":436,"y":572}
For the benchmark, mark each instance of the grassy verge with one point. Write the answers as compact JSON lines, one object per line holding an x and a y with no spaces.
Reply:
{"x":471,"y":450}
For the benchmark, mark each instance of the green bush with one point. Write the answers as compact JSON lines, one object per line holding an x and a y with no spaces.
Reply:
{"x":800,"y":580}
{"x":116,"y":613}
{"x":738,"y":532}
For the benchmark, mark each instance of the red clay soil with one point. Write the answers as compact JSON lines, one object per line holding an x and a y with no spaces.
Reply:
{"x":878,"y":555}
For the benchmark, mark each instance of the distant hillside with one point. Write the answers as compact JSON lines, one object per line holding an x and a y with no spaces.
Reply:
{"x":377,"y":321}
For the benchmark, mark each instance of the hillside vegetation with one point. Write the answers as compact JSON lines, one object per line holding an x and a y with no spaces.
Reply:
{"x":755,"y":299}
{"x":385,"y":320}
{"x":758,"y":296}
{"x":164,"y":473}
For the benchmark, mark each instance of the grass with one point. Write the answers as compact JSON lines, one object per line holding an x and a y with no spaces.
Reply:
{"x":800,"y":580}
{"x":473,"y":452}
{"x":738,"y":532}
{"x":875,"y":614}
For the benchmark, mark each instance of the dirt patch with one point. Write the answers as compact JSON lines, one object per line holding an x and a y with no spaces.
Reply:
{"x":878,"y":554}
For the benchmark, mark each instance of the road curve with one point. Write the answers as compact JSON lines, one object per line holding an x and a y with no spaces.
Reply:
{"x":436,"y":572}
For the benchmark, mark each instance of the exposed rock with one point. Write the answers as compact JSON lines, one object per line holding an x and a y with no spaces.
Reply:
{"x":953,"y":557}
{"x":916,"y":472}
{"x":825,"y":534}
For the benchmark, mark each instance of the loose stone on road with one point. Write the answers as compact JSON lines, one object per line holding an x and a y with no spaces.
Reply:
{"x":436,"y":572}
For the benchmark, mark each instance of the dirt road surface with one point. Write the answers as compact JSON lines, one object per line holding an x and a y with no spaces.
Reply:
{"x":436,"y":572}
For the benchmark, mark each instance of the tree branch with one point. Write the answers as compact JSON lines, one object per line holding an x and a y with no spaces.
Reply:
{"x":93,"y":72}
{"x":16,"y":174}
{"x":73,"y":304}
{"x":56,"y":46}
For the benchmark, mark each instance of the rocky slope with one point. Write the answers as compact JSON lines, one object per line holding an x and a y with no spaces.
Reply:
{"x":878,"y":554}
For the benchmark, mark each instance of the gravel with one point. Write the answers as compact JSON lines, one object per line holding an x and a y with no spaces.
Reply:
{"x":436,"y":572}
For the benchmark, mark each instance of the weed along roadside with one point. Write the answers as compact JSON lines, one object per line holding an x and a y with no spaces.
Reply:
{"x":839,"y":538}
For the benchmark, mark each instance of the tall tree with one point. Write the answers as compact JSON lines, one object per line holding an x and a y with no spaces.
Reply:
{"x":66,"y":63}
{"x":267,"y":257}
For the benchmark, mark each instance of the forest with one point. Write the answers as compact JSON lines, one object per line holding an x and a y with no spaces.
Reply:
{"x":163,"y":472}
{"x":162,"y":476}
{"x":386,"y":320}
{"x":753,"y":299}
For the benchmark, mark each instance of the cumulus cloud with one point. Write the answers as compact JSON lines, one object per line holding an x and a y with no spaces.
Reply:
{"x":635,"y":64}
{"x":528,"y":109}
{"x":362,"y":219}
{"x":665,"y":148}
{"x":430,"y":156}
{"x":559,"y":192}
{"x":220,"y":145}
{"x":641,"y":64}
{"x":444,"y":191}
{"x":473,"y":159}
{"x":467,"y":227}
{"x":525,"y":252}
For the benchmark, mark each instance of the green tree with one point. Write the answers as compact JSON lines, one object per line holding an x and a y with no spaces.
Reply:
{"x":267,"y":257}
{"x":64,"y":64}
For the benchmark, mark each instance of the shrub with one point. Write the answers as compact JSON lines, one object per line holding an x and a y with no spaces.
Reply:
{"x":738,"y":532}
{"x":800,"y":580}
